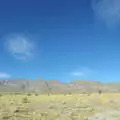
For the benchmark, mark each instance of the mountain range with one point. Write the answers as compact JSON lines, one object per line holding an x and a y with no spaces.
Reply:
{"x":57,"y":87}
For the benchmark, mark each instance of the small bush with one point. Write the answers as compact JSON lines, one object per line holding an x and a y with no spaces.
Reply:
{"x":36,"y":94}
{"x":1,"y":95}
{"x":100,"y":91}
{"x":17,"y":93}
{"x":25,"y":100}
{"x":29,"y":94}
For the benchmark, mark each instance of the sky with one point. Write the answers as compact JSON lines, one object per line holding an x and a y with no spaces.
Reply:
{"x":60,"y":40}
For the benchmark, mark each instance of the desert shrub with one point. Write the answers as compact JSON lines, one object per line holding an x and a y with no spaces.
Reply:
{"x":100,"y":91}
{"x":25,"y":100}
{"x":29,"y":94}
{"x":36,"y":94}
{"x":84,"y":92}
{"x":17,"y":93}
{"x":1,"y":95}
{"x":89,"y":94}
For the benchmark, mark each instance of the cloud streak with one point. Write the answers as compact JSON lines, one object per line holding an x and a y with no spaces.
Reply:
{"x":4,"y":75}
{"x":107,"y":11}
{"x":81,"y":73}
{"x":78,"y":73}
{"x":20,"y":46}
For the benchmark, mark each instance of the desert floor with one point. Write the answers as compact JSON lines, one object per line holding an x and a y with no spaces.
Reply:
{"x":96,"y":106}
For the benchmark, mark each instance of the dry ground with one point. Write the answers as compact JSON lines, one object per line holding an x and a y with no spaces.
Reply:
{"x":60,"y":107}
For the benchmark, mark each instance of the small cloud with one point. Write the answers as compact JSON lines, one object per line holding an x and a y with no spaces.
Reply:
{"x":4,"y":75}
{"x":78,"y":73}
{"x":20,"y":46}
{"x":107,"y":11}
{"x":83,"y":72}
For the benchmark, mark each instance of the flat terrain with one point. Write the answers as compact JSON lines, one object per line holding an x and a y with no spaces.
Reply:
{"x":60,"y":107}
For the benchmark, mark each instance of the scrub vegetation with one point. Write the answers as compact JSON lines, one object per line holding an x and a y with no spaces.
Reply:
{"x":35,"y":106}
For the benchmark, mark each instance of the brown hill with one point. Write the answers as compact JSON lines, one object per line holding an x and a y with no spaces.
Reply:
{"x":54,"y":86}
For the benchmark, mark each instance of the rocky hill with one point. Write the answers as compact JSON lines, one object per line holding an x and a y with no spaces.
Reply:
{"x":55,"y":87}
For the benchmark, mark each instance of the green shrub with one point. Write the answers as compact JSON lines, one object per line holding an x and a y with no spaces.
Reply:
{"x":1,"y":95}
{"x":25,"y":100}
{"x":29,"y":94}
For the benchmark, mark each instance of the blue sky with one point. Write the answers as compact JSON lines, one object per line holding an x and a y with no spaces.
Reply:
{"x":60,"y":40}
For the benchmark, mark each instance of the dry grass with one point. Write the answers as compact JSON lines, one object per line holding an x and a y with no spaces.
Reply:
{"x":60,"y":107}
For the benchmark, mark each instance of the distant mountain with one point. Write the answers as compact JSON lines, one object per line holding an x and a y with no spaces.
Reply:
{"x":56,"y":87}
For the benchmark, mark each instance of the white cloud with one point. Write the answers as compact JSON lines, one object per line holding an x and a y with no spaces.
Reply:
{"x":83,"y":72}
{"x":78,"y":73}
{"x":4,"y":75}
{"x":107,"y":11}
{"x":20,"y":46}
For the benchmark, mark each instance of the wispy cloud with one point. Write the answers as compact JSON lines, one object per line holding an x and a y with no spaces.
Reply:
{"x":83,"y":72}
{"x":20,"y":46}
{"x":78,"y":73}
{"x":107,"y":11}
{"x":4,"y":75}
